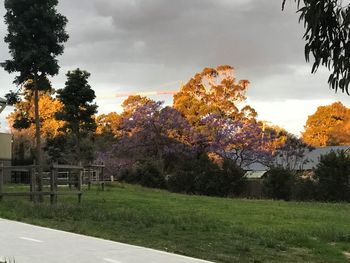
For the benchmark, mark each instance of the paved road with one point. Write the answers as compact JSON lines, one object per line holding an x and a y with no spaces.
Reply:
{"x":31,"y":244}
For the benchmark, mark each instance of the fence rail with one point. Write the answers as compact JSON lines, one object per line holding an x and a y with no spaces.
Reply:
{"x":74,"y":178}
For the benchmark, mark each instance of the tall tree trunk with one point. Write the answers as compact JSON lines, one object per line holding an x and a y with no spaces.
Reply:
{"x":38,"y":139}
{"x":78,"y":152}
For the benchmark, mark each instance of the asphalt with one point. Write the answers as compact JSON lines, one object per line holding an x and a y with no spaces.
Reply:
{"x":24,"y":243}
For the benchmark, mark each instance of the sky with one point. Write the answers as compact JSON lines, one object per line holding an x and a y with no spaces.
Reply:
{"x":148,"y":45}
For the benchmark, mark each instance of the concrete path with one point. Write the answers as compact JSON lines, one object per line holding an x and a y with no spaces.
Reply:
{"x":31,"y":244}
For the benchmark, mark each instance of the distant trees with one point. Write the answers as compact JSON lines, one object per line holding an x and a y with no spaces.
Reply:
{"x":328,"y":126}
{"x":36,"y":33}
{"x":327,"y":39}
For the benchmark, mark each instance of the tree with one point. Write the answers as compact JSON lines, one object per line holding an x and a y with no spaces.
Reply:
{"x":23,"y":116}
{"x":213,"y":91}
{"x":241,"y":141}
{"x":323,"y":128}
{"x":78,"y":110}
{"x":132,"y":103}
{"x":36,"y":33}
{"x":327,"y":30}
{"x":332,"y":174}
{"x":154,"y":131}
{"x":108,"y":123}
{"x":290,"y":152}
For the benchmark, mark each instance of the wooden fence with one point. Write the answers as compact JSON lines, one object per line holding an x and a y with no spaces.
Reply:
{"x":75,"y":178}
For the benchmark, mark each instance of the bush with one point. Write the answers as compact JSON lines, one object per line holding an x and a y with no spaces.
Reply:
{"x":332,"y":174}
{"x":182,"y":181}
{"x":202,"y":176}
{"x":144,"y":173}
{"x":305,"y":189}
{"x":232,"y":179}
{"x":279,"y":183}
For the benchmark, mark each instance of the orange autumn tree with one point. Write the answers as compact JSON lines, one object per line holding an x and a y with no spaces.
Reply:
{"x":21,"y":120}
{"x":214,"y":91}
{"x":108,"y":123}
{"x":329,"y":125}
{"x":132,"y":103}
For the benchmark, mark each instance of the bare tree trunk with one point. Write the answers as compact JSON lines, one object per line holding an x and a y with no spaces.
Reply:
{"x":38,"y":138}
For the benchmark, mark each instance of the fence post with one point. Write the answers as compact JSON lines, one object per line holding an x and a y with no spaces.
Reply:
{"x":103,"y":178}
{"x":1,"y":180}
{"x":32,"y":172}
{"x":55,"y":186}
{"x":52,"y":186}
{"x":80,"y":178}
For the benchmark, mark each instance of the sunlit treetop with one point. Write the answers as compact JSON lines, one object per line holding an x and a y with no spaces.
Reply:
{"x":213,"y":91}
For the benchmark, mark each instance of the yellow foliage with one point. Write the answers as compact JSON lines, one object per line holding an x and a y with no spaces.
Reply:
{"x":48,"y":106}
{"x":329,"y":125}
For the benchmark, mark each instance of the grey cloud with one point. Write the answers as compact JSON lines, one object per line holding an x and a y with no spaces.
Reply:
{"x":138,"y":44}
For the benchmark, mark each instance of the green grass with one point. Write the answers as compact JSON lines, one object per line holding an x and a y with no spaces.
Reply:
{"x":221,"y":230}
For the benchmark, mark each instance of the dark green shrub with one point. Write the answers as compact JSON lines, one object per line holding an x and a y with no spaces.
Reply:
{"x":333,"y":174}
{"x":232,"y":178}
{"x":279,"y":183}
{"x":202,"y":176}
{"x":305,"y":189}
{"x":144,"y":173}
{"x":182,"y":181}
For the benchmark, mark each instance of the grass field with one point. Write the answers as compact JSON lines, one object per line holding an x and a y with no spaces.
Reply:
{"x":221,"y":230}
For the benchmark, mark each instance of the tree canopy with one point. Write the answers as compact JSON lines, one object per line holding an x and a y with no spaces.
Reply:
{"x":36,"y":33}
{"x":213,"y":91}
{"x":327,"y":126}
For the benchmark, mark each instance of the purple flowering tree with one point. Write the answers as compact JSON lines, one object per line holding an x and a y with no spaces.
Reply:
{"x":244,"y":142}
{"x":154,"y":131}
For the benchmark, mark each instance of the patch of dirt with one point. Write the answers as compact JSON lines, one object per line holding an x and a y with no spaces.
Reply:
{"x":347,"y":254}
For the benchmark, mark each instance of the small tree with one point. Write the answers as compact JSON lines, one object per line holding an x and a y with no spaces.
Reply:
{"x":333,"y":176}
{"x":78,"y":110}
{"x":36,"y":33}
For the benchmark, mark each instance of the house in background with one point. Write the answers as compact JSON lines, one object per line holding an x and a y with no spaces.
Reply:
{"x":312,"y":159}
{"x":6,"y":153}
{"x":254,"y":175}
{"x":256,"y":172}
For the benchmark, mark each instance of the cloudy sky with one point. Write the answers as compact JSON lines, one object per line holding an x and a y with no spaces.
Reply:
{"x":147,"y":45}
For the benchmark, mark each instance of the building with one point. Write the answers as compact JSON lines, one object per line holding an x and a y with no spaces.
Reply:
{"x":6,"y":152}
{"x":256,"y":172}
{"x":254,"y":175}
{"x":312,"y":159}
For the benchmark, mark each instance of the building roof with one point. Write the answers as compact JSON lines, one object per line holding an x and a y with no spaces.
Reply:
{"x":313,"y":158}
{"x":309,"y":162}
{"x":256,"y":167}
